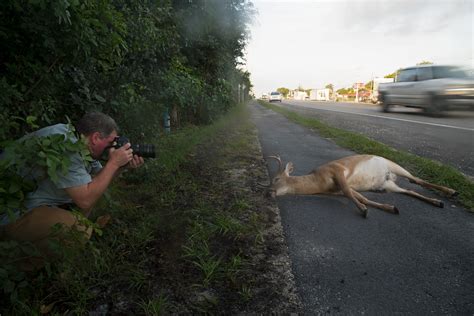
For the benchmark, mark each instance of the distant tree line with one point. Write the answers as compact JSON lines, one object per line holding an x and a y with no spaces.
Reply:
{"x":131,"y":59}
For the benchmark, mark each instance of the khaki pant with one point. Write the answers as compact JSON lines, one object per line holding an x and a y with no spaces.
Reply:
{"x":36,"y":227}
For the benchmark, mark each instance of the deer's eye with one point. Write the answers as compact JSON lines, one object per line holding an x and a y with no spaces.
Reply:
{"x":276,"y":180}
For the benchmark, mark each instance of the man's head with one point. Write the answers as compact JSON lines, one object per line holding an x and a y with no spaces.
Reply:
{"x":100,"y":131}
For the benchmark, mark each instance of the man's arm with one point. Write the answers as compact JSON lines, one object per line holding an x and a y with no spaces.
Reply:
{"x":85,"y":196}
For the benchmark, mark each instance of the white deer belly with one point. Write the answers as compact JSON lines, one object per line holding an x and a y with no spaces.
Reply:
{"x":369,"y":175}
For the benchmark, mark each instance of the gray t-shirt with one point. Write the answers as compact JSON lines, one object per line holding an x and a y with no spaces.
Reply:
{"x":50,"y":193}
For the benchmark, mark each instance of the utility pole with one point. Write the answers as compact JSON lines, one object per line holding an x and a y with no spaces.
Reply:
{"x":238,"y":93}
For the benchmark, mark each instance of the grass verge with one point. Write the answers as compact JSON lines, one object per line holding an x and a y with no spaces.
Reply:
{"x":189,"y":234}
{"x":424,"y":168}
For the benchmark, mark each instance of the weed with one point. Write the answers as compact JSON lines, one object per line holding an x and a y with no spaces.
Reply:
{"x":209,"y":267}
{"x":155,"y":306}
{"x":226,"y":225}
{"x":245,"y":293}
{"x":240,"y":205}
{"x":168,"y":197}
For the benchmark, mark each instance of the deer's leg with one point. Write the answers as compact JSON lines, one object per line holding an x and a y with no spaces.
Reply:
{"x":428,"y":185}
{"x":403,"y":173}
{"x":385,"y":207}
{"x":393,"y":187}
{"x":347,"y":191}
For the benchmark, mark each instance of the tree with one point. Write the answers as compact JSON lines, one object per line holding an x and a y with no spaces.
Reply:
{"x":393,"y":74}
{"x":425,"y":62}
{"x":369,"y":85}
{"x":284,"y":91}
{"x":129,"y":59}
{"x":345,"y":91}
{"x":330,"y":87}
{"x":342,"y":91}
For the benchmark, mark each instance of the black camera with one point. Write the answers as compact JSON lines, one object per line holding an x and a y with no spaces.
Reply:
{"x":142,"y":150}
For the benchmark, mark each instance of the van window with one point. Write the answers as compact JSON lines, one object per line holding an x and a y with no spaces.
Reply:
{"x":448,"y":72}
{"x":407,"y":75}
{"x":424,"y":73}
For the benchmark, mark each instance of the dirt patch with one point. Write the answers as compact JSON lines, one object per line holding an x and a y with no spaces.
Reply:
{"x":228,"y":181}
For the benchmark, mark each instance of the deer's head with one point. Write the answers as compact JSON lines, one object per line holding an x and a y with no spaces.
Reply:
{"x":279,"y":184}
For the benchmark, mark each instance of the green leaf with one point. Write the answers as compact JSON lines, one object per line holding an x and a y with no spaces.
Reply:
{"x":99,"y":98}
{"x":46,"y":142}
{"x":13,"y":203}
{"x":14,"y":187}
{"x":8,"y":286}
{"x":30,"y":120}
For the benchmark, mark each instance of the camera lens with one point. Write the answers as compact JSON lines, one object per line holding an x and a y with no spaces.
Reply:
{"x":144,"y":150}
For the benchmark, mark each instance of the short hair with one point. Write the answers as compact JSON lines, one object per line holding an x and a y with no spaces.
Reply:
{"x":93,"y":122}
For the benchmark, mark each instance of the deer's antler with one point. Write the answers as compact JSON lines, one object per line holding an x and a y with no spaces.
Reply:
{"x":280,"y":164}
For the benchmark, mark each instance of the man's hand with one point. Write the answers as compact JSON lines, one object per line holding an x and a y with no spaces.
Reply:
{"x":136,"y":162}
{"x":120,"y":157}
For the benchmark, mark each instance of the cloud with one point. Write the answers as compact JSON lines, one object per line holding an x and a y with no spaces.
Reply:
{"x":400,"y":17}
{"x":315,"y":42}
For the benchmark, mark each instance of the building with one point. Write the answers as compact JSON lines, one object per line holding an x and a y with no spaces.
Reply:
{"x":320,"y":94}
{"x":297,"y":95}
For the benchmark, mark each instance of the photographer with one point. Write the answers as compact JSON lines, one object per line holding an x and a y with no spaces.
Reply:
{"x":82,"y":185}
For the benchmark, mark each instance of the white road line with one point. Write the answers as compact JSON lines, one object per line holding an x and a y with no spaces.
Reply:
{"x":396,"y":119}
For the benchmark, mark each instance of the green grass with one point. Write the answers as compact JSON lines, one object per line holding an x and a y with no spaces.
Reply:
{"x":154,"y":306}
{"x":158,"y":211}
{"x":424,"y":168}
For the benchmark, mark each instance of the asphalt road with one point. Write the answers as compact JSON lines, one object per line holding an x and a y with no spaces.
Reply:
{"x":448,"y":139}
{"x":419,"y":262}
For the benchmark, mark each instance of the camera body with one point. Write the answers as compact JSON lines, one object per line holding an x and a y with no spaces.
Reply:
{"x":142,"y":150}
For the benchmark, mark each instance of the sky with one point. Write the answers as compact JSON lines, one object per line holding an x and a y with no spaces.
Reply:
{"x":313,"y":43}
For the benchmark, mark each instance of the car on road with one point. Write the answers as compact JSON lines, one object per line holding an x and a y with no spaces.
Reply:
{"x":433,"y":88}
{"x":275,"y":96}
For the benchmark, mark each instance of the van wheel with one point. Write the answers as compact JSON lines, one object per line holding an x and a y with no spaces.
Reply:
{"x":435,"y":107}
{"x":385,"y":105}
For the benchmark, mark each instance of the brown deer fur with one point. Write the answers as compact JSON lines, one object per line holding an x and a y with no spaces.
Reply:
{"x":350,"y":175}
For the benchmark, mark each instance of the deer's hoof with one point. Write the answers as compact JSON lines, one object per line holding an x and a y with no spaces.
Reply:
{"x":440,"y":204}
{"x":395,"y":210}
{"x":365,"y":213}
{"x":270,"y":194}
{"x":454,"y":194}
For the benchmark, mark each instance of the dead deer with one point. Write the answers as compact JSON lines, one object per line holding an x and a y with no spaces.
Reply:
{"x":350,"y":175}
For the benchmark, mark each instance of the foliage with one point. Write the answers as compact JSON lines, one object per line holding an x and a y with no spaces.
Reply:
{"x":30,"y":159}
{"x":132,"y":60}
{"x":393,"y":74}
{"x":284,"y":91}
{"x":424,"y":62}
{"x":346,"y":91}
{"x":369,"y":85}
{"x":150,"y":257}
{"x":330,"y":87}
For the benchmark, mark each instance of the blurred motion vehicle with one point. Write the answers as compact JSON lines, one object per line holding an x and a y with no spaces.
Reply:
{"x":374,"y":98}
{"x":264,"y":96}
{"x":275,"y":96}
{"x":433,"y":88}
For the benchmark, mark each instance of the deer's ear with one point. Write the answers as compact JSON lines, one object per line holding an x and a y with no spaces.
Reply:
{"x":289,"y":168}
